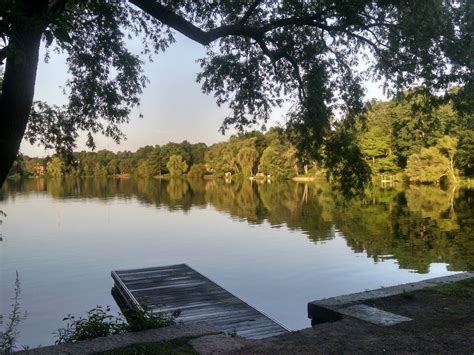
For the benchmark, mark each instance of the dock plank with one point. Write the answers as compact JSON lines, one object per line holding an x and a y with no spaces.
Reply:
{"x":179,"y":287}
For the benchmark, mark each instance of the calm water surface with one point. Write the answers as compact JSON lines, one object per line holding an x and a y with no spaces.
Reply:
{"x":277,"y":246}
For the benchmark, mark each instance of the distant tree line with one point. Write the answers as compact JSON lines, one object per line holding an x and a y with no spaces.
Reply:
{"x":396,"y":136}
{"x":244,"y":154}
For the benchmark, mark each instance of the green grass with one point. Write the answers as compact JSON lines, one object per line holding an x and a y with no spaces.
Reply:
{"x":464,"y":289}
{"x":175,"y":346}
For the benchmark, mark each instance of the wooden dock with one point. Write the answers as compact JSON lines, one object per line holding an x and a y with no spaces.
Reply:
{"x":179,"y":287}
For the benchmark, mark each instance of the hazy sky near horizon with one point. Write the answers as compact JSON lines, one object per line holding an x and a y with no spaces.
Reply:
{"x":172,"y":104}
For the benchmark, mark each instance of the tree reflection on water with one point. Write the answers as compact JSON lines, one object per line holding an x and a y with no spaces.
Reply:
{"x":416,"y":226}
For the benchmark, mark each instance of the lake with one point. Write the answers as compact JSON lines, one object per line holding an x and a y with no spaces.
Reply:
{"x":276,"y":245}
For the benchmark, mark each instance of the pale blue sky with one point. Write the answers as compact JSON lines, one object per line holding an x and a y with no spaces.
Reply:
{"x":172,"y":104}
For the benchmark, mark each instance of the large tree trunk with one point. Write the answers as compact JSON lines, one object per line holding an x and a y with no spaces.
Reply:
{"x":19,"y":83}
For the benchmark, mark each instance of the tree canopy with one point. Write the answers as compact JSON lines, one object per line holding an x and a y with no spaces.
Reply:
{"x":258,"y":53}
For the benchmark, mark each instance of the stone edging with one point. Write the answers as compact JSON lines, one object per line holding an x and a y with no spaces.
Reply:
{"x":331,"y":309}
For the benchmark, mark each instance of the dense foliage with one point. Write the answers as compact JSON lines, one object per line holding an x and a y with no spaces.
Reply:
{"x":429,"y":146}
{"x":99,"y":322}
{"x":317,"y":54}
{"x":176,"y":165}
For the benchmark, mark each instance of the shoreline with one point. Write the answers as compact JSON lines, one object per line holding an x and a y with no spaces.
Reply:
{"x":439,"y":318}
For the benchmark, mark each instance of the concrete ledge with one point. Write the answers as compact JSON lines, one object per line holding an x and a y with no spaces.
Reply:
{"x":124,"y":340}
{"x":331,"y":309}
{"x":373,"y":315}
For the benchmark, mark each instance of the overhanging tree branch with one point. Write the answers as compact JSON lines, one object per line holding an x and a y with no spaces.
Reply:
{"x":168,"y":17}
{"x":185,"y":27}
{"x":250,"y":11}
{"x":180,"y":24}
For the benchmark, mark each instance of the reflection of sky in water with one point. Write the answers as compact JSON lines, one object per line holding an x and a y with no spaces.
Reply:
{"x":64,"y":251}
